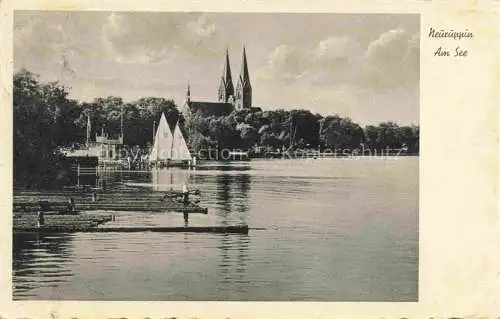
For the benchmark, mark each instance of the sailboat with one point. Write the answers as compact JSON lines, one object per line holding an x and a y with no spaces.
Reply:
{"x":180,"y":155}
{"x":170,"y":149}
{"x":162,"y":146}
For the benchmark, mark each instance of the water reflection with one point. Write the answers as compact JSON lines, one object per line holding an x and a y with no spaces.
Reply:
{"x":223,"y":194}
{"x":39,"y":261}
{"x":107,"y":178}
{"x":224,"y":167}
{"x":243,"y":257}
{"x":228,"y":192}
{"x":233,"y":262}
{"x":241,"y":204}
{"x":170,"y":178}
{"x":349,"y":231}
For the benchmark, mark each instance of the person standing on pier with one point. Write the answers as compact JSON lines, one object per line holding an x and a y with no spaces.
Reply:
{"x":186,"y":218}
{"x":40,"y":219}
{"x":185,"y":195}
{"x":71,"y":204}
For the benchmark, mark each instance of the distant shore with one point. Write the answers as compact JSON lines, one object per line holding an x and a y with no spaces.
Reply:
{"x":238,"y":155}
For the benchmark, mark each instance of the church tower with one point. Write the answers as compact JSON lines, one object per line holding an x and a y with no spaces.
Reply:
{"x":244,"y":89}
{"x":225,"y":92}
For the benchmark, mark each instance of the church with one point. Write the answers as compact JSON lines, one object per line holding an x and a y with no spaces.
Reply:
{"x":228,"y":98}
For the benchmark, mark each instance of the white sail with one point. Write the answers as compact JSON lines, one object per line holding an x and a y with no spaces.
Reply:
{"x":180,"y":151}
{"x":162,"y":147}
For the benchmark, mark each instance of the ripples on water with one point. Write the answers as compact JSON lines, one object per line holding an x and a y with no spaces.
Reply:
{"x":335,"y":230}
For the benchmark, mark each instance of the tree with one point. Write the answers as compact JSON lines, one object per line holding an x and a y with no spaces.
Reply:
{"x":390,"y":135}
{"x":271,"y":140}
{"x":337,"y":132}
{"x":305,"y":126}
{"x":248,"y":134}
{"x":69,"y":112}
{"x":37,"y":130}
{"x":371,"y":136}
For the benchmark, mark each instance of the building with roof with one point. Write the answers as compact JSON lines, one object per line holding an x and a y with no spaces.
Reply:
{"x":228,"y":98}
{"x":106,"y":149}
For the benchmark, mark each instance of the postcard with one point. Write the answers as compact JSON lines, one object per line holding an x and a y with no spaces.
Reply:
{"x":250,"y":159}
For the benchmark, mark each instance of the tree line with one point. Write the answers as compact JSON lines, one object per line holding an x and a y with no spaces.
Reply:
{"x":46,"y":119}
{"x":297,"y":129}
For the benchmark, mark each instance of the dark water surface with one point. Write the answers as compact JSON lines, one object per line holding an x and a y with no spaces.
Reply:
{"x":335,"y":230}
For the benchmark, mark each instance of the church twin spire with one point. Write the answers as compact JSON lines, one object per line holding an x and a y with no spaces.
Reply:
{"x":241,"y":97}
{"x":226,"y":92}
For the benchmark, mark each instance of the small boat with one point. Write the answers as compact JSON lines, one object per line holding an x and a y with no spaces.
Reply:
{"x":236,"y":156}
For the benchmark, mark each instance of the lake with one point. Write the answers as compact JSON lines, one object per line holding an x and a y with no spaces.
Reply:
{"x":326,"y":230}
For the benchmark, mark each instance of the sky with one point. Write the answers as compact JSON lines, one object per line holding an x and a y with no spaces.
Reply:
{"x":364,"y":66}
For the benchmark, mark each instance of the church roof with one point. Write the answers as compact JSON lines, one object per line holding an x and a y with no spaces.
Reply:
{"x":210,"y":108}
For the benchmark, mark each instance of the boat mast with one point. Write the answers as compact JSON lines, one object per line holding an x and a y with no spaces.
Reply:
{"x":157,"y":150}
{"x":294,"y":129}
{"x":154,"y":129}
{"x":121,"y":124}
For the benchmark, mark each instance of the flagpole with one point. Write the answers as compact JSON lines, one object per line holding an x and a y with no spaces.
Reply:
{"x":88,"y":130}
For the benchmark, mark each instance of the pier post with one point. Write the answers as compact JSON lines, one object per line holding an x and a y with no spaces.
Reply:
{"x":78,"y":175}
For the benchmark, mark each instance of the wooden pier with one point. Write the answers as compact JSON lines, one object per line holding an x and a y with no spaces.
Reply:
{"x":142,"y":206}
{"x":243,"y":229}
{"x":105,"y":200}
{"x":64,"y":212}
{"x":55,"y":220}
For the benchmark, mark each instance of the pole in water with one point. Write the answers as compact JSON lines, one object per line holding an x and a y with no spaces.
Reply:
{"x":78,"y":175}
{"x":185,"y":200}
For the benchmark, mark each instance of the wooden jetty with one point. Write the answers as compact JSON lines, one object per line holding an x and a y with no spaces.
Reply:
{"x":110,"y":201}
{"x":239,"y":229}
{"x":29,"y":221}
{"x":125,"y":205}
{"x":61,"y":212}
{"x":22,"y":196}
{"x":142,"y":206}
